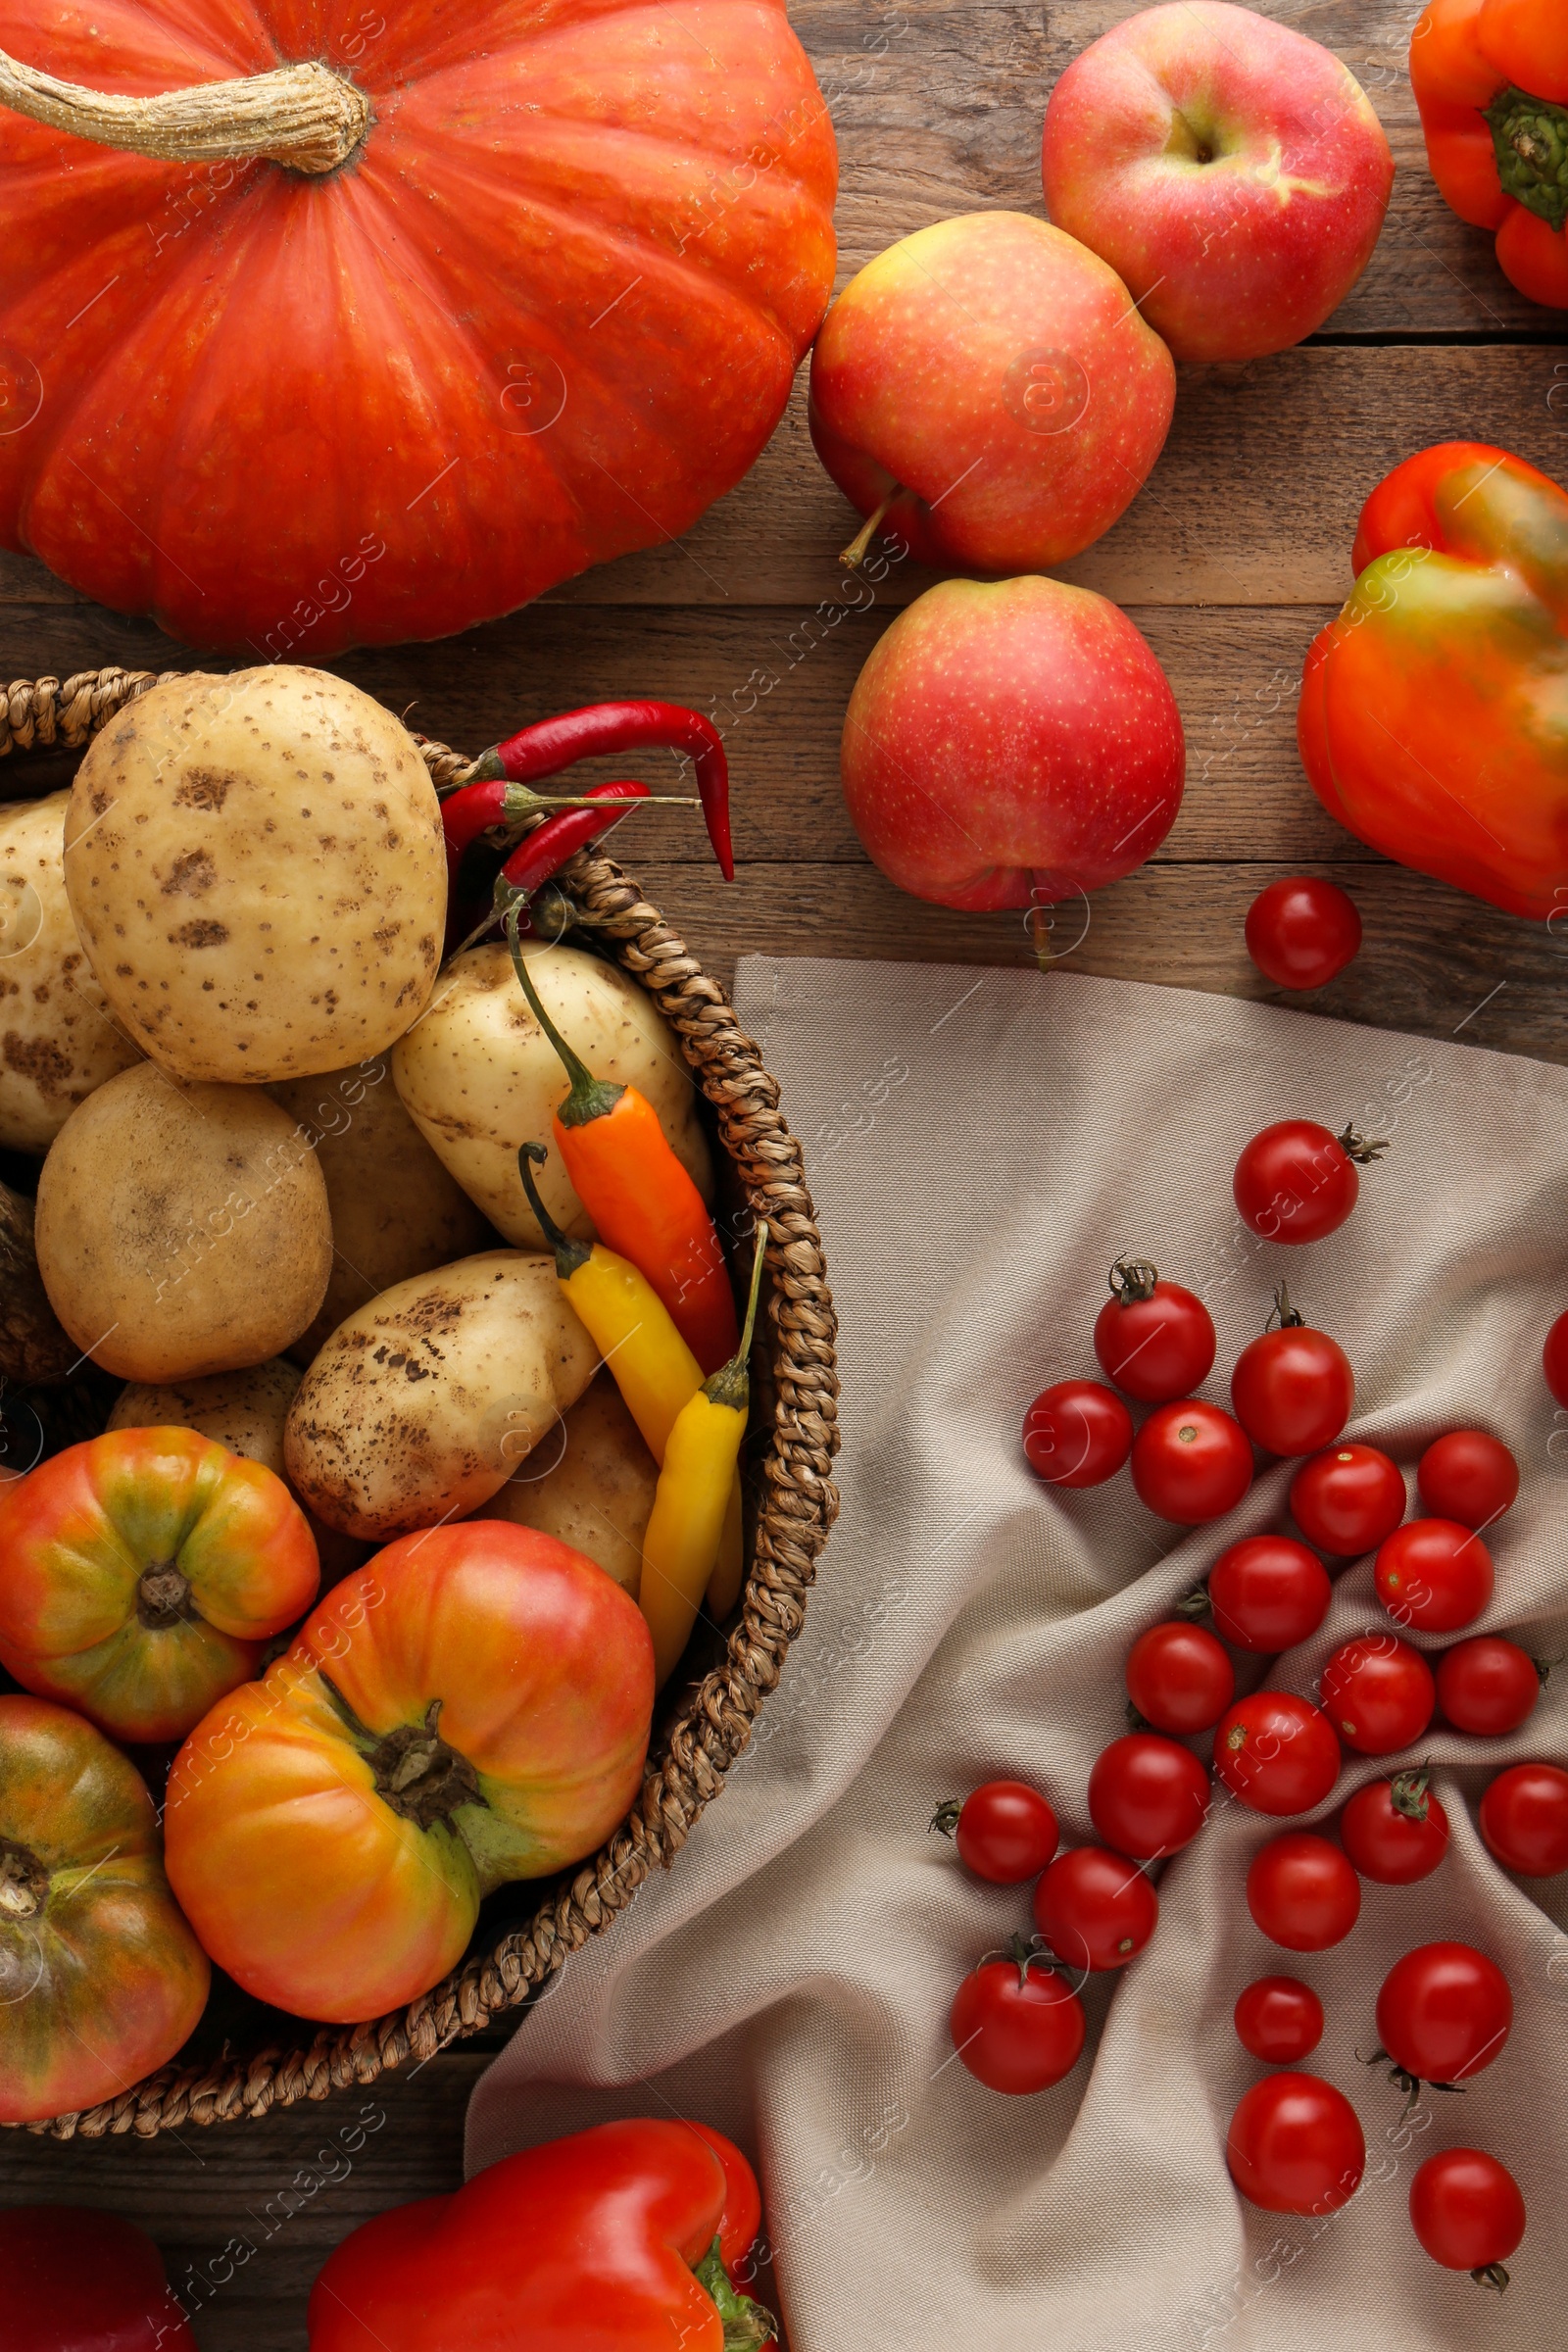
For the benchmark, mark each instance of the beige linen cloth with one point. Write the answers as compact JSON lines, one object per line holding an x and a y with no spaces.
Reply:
{"x":981,"y":1147}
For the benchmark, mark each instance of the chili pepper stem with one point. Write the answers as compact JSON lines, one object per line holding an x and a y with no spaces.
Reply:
{"x":590,"y":1098}
{"x":521,"y":799}
{"x":569,"y":1254}
{"x":730,"y":1384}
{"x":855,"y":555}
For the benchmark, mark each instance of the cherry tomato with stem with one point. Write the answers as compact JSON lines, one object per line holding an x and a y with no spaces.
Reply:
{"x":1095,"y":1909}
{"x":1268,"y":1592}
{"x":1300,"y":932}
{"x":1155,"y":1340}
{"x":1297,"y":1181}
{"x":1443,"y":2015}
{"x":1302,"y":1892}
{"x":1524,"y":1820}
{"x":1554,"y":1359}
{"x":1179,"y":1679}
{"x":1488,"y":1686}
{"x":1467,"y":1476}
{"x":1077,"y":1434}
{"x":1276,"y":1753}
{"x":1469,"y":2214}
{"x":1347,"y":1499}
{"x":1294,"y":2145}
{"x":1292,"y":1389}
{"x":1147,"y":1795}
{"x":1016,"y":2024}
{"x":1005,"y":1831}
{"x":1279,"y":2020}
{"x":1394,"y":1830}
{"x":1433,"y":1574}
{"x":1378,"y":1692}
{"x":1191,"y":1462}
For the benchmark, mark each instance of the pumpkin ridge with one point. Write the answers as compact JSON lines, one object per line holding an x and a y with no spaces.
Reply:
{"x":122,"y":61}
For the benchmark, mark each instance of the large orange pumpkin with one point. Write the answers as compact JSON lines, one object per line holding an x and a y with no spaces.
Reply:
{"x":545,"y":309}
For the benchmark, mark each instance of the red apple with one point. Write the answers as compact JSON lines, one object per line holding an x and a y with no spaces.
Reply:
{"x":1229,"y":169}
{"x":1011,"y":741}
{"x":988,"y":382}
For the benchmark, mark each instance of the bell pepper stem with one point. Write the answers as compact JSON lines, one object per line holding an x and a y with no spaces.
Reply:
{"x":590,"y":1098}
{"x":748,"y":2326}
{"x":731,"y":1384}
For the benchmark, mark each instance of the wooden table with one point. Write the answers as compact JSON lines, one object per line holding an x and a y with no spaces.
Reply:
{"x":1229,"y":561}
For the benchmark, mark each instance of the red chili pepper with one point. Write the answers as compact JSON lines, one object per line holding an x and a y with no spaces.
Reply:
{"x":557,"y":743}
{"x":541,"y":854}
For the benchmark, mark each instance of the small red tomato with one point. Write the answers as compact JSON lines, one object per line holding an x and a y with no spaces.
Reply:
{"x":1294,"y":2145}
{"x":1191,"y":1462}
{"x":1394,"y":1832}
{"x":1444,"y":2013}
{"x":1179,"y":1678}
{"x":1433,"y":1574}
{"x":1348,"y":1499}
{"x":1279,"y":2020}
{"x":1017,"y":2025}
{"x":1293,"y":1390}
{"x":1524,"y":1820}
{"x":1152,"y":1337}
{"x":1487,"y":1686}
{"x":1467,"y":1476}
{"x":1147,"y":1796}
{"x":1095,"y":1909}
{"x":1300,"y":932}
{"x":1005,"y":1832}
{"x":1466,"y":2210}
{"x":1277,"y":1752}
{"x":1077,"y":1434}
{"x":1378,"y":1694}
{"x":1554,"y":1359}
{"x":1302,"y":1892}
{"x":1268,"y":1592}
{"x":1295,"y":1181}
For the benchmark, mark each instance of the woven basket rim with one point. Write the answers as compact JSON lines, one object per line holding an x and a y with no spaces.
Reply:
{"x":697,"y":1744}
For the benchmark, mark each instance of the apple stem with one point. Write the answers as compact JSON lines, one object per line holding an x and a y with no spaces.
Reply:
{"x":854,"y":555}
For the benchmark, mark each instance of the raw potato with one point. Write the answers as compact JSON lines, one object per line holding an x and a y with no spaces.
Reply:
{"x":479,"y":1077}
{"x":594,"y":1487}
{"x":181,"y":1229}
{"x":395,"y":1210}
{"x":423,"y":1403}
{"x":255,"y":868}
{"x":57,"y":1039}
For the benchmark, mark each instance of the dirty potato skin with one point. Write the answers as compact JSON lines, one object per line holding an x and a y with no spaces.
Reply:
{"x":57,"y":1039}
{"x":395,"y":1210}
{"x":593,"y":1487}
{"x":479,"y":1077}
{"x":255,"y":869}
{"x":423,"y":1403}
{"x":181,"y":1229}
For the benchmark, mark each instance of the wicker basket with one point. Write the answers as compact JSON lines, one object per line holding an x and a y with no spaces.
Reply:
{"x":706,"y":1725}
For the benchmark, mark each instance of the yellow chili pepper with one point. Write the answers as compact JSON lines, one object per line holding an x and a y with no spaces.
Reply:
{"x":680,"y":1550}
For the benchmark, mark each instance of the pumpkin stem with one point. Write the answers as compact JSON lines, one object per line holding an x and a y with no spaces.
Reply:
{"x":305,"y":116}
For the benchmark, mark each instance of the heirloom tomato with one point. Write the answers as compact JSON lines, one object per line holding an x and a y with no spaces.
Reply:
{"x":78,"y":2279}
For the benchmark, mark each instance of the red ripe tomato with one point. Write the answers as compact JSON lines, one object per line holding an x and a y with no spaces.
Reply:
{"x":1268,"y":1592}
{"x":1294,"y":2145}
{"x":1378,"y":1694}
{"x":1466,"y":2210}
{"x":1295,"y":1181}
{"x":1179,"y":1678}
{"x":1005,"y":1832}
{"x":1077,"y":1434}
{"x":1300,"y":932}
{"x":1279,"y":2020}
{"x":1302,"y":1893}
{"x":1292,"y":1389}
{"x":1277,"y":1752}
{"x":1487,"y":1686}
{"x":1095,"y":1909}
{"x":1152,"y":1337}
{"x":1433,"y":1574}
{"x":1348,"y":1499}
{"x":1554,"y":1359}
{"x":1524,"y":1820}
{"x":1017,"y":2024}
{"x":1468,"y":1476}
{"x":1394,"y":1832}
{"x":1147,"y":1796}
{"x":1191,"y":1462}
{"x":1444,"y":2013}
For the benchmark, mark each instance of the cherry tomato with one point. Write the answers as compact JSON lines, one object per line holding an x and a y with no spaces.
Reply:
{"x":1152,"y":1337}
{"x":1348,"y":1499}
{"x":1300,"y":932}
{"x":1294,"y":2145}
{"x":1179,"y":1678}
{"x":1524,"y":1820}
{"x":1302,"y":1892}
{"x":1466,"y":2210}
{"x":1268,"y":1592}
{"x":1077,"y":1434}
{"x":1279,"y":2020}
{"x":1378,"y":1694}
{"x":1277,"y":1752}
{"x":1487,"y":1686}
{"x":1191,"y":1462}
{"x":1295,"y":1181}
{"x":1095,"y":1909}
{"x":1433,"y":1574}
{"x":1444,"y":2013}
{"x":1293,"y":1390}
{"x":1467,"y":1476}
{"x":1394,"y":1832}
{"x":1147,"y":1796}
{"x":1554,"y":1359}
{"x":1017,"y":2024}
{"x":1005,"y":1832}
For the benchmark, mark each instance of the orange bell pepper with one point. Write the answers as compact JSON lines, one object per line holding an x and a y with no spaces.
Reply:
{"x":1490,"y":78}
